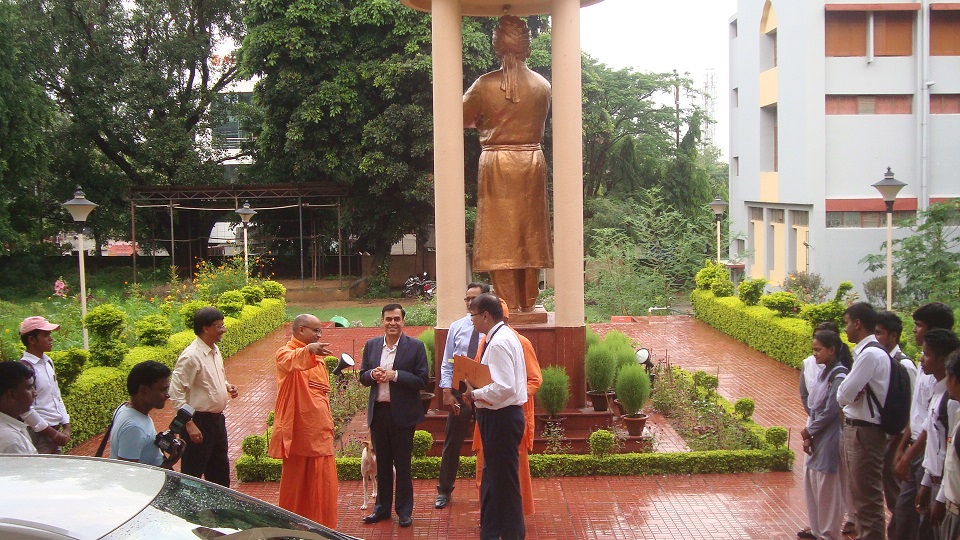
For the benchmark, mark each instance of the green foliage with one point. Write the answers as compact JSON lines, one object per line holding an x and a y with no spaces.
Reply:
{"x":216,"y":279}
{"x":785,"y":339}
{"x":927,"y":259}
{"x":828,"y":311}
{"x":592,"y":338}
{"x":777,"y":436}
{"x":599,"y":367}
{"x":231,"y":303}
{"x":69,"y":363}
{"x":875,"y":291}
{"x":750,"y":290}
{"x":721,"y":288}
{"x":615,"y":280}
{"x":153,"y":330}
{"x":331,"y":363}
{"x":711,"y":272}
{"x":807,"y":287}
{"x":108,"y":352}
{"x":250,"y":469}
{"x":555,"y":390}
{"x":106,"y":321}
{"x":633,"y":388}
{"x":671,"y":390}
{"x":705,"y":381}
{"x":252,"y":294}
{"x":744,"y":408}
{"x":272,"y":289}
{"x":842,"y":291}
{"x":255,"y":446}
{"x":188,"y":310}
{"x":422,"y":313}
{"x":429,"y":339}
{"x":422,"y":441}
{"x":92,"y":399}
{"x":602,"y":442}
{"x":782,"y":302}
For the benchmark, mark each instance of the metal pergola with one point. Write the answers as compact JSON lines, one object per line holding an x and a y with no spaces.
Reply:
{"x":206,"y":198}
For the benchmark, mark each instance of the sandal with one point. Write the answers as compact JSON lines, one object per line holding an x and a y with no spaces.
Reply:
{"x":805,"y":533}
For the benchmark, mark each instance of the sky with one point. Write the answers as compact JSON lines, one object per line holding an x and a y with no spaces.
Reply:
{"x":690,"y":36}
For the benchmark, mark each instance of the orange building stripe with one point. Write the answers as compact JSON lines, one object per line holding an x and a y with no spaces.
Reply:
{"x":869,"y":205}
{"x":905,"y":6}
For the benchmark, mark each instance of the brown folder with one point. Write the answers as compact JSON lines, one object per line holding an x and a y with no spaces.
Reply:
{"x":467,"y":369}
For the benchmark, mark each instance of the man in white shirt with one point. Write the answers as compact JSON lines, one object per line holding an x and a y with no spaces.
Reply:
{"x":499,"y":407}
{"x":50,"y":424}
{"x":462,"y":339}
{"x":17,"y":392}
{"x":133,"y":437}
{"x":864,"y":441}
{"x":949,"y":495}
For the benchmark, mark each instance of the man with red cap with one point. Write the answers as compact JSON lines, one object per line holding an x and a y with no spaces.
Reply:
{"x":48,"y":419}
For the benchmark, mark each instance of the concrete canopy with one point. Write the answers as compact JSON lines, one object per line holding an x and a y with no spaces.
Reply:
{"x":495,"y":8}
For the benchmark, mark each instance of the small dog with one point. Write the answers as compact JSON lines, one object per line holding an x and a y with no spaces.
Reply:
{"x":368,"y":471}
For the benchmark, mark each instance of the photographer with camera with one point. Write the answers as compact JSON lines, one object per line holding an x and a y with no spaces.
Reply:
{"x":133,"y":436}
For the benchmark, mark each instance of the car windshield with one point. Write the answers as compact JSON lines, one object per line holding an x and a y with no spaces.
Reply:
{"x":188,"y":509}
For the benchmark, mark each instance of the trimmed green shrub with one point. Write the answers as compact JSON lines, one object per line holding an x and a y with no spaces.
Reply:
{"x":422,"y":313}
{"x":711,"y":272}
{"x":599,"y":367}
{"x":808,"y":287}
{"x":153,"y":330}
{"x":744,"y":408}
{"x":230,"y":303}
{"x":750,"y":290}
{"x":633,"y":388}
{"x":709,"y":383}
{"x":783,"y":302}
{"x":777,"y":436}
{"x":252,"y":294}
{"x":429,"y":339}
{"x":69,"y":363}
{"x":592,"y":338}
{"x":272,"y":289}
{"x":554,"y":390}
{"x":188,"y":310}
{"x":106,"y":321}
{"x":331,"y":363}
{"x":108,"y":352}
{"x":616,"y":338}
{"x":602,"y":443}
{"x":255,"y":446}
{"x":422,"y":441}
{"x":721,"y":288}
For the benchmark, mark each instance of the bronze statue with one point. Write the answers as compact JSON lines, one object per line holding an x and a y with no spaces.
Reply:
{"x":509,"y":107}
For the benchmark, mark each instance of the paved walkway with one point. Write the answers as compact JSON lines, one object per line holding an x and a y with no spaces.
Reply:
{"x":737,"y":506}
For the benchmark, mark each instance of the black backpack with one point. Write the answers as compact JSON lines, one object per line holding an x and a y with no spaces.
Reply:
{"x":895,"y":412}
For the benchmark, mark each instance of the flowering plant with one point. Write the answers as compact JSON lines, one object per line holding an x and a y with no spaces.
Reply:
{"x":60,"y":288}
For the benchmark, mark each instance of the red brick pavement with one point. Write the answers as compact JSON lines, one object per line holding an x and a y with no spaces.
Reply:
{"x":736,"y":506}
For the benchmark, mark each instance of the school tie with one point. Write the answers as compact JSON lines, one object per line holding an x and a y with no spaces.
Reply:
{"x":474,"y":343}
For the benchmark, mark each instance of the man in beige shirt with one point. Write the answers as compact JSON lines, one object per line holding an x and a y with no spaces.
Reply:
{"x":199,"y":381}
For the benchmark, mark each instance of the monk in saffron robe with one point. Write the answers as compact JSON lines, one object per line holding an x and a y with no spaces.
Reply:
{"x":303,"y":426}
{"x":534,"y":380}
{"x":508,"y":107}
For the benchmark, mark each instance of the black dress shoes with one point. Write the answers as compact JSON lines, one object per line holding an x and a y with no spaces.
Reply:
{"x":373,"y":518}
{"x":406,"y":521}
{"x":443,"y":499}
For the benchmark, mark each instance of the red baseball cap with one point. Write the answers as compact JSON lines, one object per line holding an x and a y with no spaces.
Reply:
{"x":37,"y":323}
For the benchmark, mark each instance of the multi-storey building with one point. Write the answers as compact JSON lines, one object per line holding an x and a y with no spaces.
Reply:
{"x":824,"y":96}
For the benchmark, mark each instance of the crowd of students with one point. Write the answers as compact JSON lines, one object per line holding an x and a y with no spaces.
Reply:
{"x":860,"y":462}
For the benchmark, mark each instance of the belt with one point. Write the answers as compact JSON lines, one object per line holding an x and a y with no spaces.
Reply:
{"x":205,"y":413}
{"x":859,"y":423}
{"x":953,"y":508}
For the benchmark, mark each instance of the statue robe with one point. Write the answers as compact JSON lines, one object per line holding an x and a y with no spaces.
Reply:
{"x":303,"y":435}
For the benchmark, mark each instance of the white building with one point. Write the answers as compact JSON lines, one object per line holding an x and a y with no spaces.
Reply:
{"x":824,"y":96}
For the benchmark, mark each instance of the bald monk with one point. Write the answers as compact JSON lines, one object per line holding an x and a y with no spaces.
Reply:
{"x":534,"y":380}
{"x":303,"y":426}
{"x":508,"y":108}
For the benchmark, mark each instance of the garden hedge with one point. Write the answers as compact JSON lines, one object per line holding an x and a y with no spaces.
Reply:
{"x":550,"y":465}
{"x":97,"y":391}
{"x":785,"y":339}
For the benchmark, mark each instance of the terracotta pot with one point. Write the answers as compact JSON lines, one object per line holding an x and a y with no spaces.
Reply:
{"x":620,"y":408}
{"x":599,"y":400}
{"x":426,"y":398}
{"x":543,"y":420}
{"x":635,"y":424}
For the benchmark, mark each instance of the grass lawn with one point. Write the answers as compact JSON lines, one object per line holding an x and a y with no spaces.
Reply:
{"x":367,"y":315}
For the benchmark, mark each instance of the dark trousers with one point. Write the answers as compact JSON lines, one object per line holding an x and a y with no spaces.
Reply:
{"x":457,"y":428}
{"x":501,"y":505}
{"x":909,"y":526}
{"x":208,"y":458}
{"x":891,"y":486}
{"x":394,"y":447}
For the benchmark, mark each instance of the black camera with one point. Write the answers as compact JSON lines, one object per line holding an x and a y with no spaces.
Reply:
{"x":166,"y":440}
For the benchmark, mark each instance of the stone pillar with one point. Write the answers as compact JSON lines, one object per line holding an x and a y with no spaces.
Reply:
{"x":448,"y":160}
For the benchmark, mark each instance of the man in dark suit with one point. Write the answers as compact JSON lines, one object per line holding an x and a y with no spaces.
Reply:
{"x":395,"y":368}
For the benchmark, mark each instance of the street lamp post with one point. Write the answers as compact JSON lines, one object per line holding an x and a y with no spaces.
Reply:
{"x":718,"y":205}
{"x":246,"y":214}
{"x":80,"y":207}
{"x":888,"y":188}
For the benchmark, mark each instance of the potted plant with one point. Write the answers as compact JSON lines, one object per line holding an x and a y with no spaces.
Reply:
{"x":428,"y":337}
{"x":633,"y":391}
{"x":554,"y":392}
{"x":599,"y":369}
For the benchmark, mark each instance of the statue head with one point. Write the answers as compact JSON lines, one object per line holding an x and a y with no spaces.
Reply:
{"x":511,"y":37}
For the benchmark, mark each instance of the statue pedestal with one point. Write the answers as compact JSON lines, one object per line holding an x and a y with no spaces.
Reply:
{"x":526,"y":318}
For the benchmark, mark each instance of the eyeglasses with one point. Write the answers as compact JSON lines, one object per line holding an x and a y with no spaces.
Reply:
{"x":472,"y":315}
{"x":315,"y":330}
{"x":469,"y":299}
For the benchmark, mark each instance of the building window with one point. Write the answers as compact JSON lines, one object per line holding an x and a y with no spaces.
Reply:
{"x":735,"y":165}
{"x":944,"y":103}
{"x":881,"y":104}
{"x":846,"y":33}
{"x":733,"y":29}
{"x":776,"y":215}
{"x":756,"y":213}
{"x":800,"y":218}
{"x":866,"y":220}
{"x":893,"y":33}
{"x":944,"y":33}
{"x":735,"y":98}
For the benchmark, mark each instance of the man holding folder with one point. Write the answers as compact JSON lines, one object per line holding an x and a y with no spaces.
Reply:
{"x":501,"y":421}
